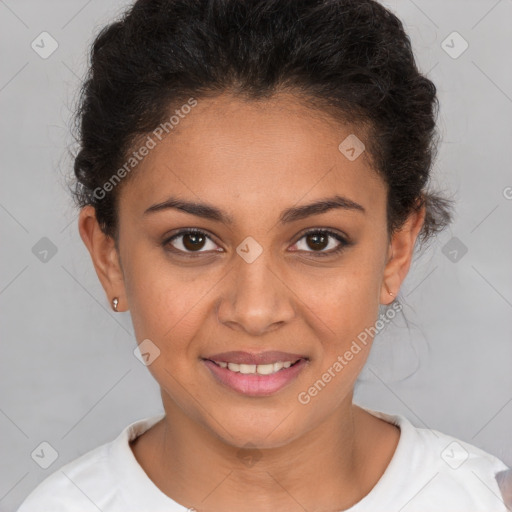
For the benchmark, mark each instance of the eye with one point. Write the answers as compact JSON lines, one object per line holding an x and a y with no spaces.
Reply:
{"x":189,"y":241}
{"x":192,"y":240}
{"x":318,"y":240}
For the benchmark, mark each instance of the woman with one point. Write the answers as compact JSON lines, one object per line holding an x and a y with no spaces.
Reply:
{"x":252,"y":182}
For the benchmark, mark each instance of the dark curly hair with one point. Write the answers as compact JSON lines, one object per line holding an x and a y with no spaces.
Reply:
{"x":350,"y":59}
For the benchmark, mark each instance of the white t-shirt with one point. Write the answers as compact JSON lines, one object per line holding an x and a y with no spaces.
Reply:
{"x":429,"y":471}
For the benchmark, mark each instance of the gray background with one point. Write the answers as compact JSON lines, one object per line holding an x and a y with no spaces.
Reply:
{"x":68,"y":373}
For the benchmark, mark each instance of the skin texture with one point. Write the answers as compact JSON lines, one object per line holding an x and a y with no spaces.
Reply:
{"x":254,"y":160}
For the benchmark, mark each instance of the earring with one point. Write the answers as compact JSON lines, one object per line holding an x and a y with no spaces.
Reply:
{"x":115,"y":302}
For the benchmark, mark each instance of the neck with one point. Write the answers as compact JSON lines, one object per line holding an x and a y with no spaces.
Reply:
{"x":330,"y":467}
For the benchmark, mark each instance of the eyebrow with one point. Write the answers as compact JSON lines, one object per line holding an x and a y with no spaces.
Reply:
{"x":289,"y":215}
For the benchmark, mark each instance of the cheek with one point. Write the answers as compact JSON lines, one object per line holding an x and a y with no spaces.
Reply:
{"x":344,"y":308}
{"x":166,"y":306}
{"x":346,"y":300}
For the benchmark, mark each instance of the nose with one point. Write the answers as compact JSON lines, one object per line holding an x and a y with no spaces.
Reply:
{"x":256,"y":297}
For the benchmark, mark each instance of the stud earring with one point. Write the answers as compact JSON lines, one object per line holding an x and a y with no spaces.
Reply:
{"x":115,"y":302}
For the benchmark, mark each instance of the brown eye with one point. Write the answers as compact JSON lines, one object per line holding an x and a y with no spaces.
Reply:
{"x":190,"y":241}
{"x":193,"y":241}
{"x":319,"y":240}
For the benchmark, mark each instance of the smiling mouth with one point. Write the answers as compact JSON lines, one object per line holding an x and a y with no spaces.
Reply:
{"x":256,"y":380}
{"x":256,"y":369}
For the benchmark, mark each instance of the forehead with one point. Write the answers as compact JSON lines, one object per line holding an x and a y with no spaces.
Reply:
{"x":253,"y":154}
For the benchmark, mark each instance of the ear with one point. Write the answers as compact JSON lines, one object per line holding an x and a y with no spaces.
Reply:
{"x":104,"y":255}
{"x":400,"y":253}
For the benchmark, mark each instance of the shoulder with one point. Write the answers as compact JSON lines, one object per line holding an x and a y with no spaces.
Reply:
{"x":448,"y":473}
{"x":462,"y":471}
{"x":73,"y":486}
{"x":97,"y":480}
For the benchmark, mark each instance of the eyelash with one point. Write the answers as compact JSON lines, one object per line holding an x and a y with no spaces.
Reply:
{"x":193,"y":231}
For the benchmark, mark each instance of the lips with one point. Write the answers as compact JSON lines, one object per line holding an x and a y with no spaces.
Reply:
{"x":254,"y":384}
{"x":240,"y":357}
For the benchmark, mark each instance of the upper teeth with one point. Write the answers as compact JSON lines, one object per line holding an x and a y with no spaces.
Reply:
{"x":261,"y":369}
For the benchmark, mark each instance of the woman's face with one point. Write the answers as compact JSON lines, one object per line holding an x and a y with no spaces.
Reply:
{"x":267,"y":280}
